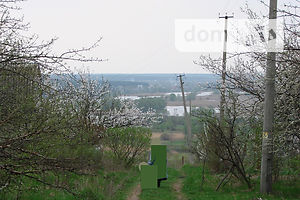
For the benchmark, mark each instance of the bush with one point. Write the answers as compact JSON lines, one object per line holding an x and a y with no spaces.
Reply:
{"x":165,"y":136}
{"x":128,"y":144}
{"x":172,"y":97}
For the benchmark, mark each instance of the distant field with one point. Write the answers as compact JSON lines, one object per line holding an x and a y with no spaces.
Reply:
{"x":176,"y":148}
{"x":173,"y":136}
{"x":177,"y":136}
{"x":156,"y":138}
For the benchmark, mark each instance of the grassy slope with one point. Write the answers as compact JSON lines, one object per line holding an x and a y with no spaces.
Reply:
{"x":103,"y":186}
{"x":192,"y":188}
{"x":117,"y":186}
{"x":284,"y":190}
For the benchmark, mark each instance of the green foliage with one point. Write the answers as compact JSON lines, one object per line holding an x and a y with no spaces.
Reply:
{"x":128,"y":144}
{"x":170,"y":123}
{"x":89,"y":194}
{"x":196,"y":125}
{"x":228,"y":146}
{"x":176,"y":123}
{"x":291,"y":167}
{"x":156,"y":104}
{"x":172,"y":97}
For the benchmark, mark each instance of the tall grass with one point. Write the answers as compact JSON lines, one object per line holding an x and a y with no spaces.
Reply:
{"x":102,"y":186}
{"x":195,"y":190}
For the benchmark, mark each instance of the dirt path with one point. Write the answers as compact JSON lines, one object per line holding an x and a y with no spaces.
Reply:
{"x":177,"y":186}
{"x":134,"y":195}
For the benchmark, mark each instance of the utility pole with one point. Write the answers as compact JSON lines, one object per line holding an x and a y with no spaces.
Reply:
{"x":190,"y":106}
{"x":223,"y":87}
{"x":186,"y":115}
{"x":267,"y":141}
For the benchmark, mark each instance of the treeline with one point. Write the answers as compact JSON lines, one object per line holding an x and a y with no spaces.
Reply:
{"x":156,"y":83}
{"x":176,"y":124}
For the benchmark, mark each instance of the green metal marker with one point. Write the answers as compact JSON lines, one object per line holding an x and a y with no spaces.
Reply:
{"x":159,"y":158}
{"x":156,"y":171}
{"x":149,"y":176}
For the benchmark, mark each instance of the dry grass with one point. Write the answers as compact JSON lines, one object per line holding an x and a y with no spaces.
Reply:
{"x":156,"y":136}
{"x":174,"y":157}
{"x":176,"y":136}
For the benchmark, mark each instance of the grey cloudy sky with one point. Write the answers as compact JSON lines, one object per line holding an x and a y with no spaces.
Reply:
{"x":138,"y":35}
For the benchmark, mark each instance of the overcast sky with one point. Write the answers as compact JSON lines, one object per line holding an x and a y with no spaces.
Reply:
{"x":138,"y":35}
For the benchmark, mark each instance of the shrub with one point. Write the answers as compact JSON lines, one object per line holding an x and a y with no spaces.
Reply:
{"x":128,"y":144}
{"x":165,"y":136}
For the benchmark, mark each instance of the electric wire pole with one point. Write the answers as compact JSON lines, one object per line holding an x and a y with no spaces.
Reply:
{"x":267,"y":141}
{"x":186,"y":115}
{"x":223,"y":87}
